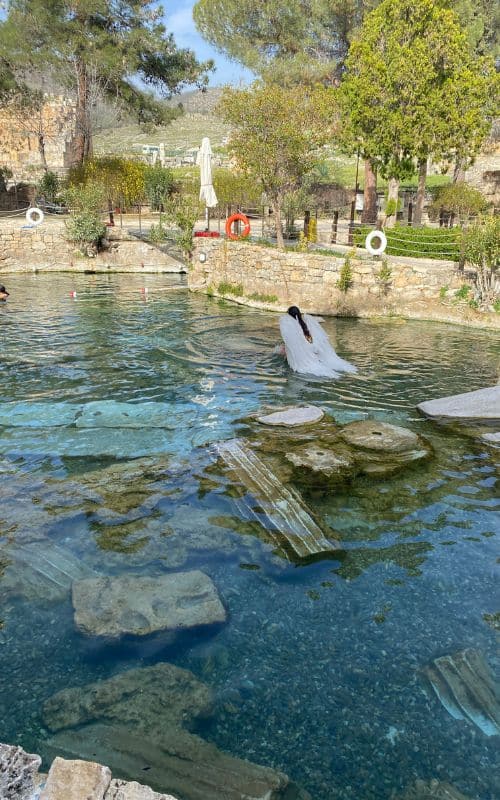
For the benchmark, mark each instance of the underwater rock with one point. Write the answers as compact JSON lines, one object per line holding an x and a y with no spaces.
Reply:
{"x":176,"y":761}
{"x":317,"y":462}
{"x":294,"y":415}
{"x":431,"y":790}
{"x":464,"y":685}
{"x":75,"y":780}
{"x":491,"y":438}
{"x":140,"y":605}
{"x":42,"y":572}
{"x":381,"y":448}
{"x":113,"y":414}
{"x":121,"y":790}
{"x":281,"y":510}
{"x":160,"y":696}
{"x":38,"y":415}
{"x":135,"y":722}
{"x":481,"y":406}
{"x":18,"y":771}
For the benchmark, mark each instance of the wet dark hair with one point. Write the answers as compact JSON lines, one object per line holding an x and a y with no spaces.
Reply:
{"x":294,"y":312}
{"x":3,"y":289}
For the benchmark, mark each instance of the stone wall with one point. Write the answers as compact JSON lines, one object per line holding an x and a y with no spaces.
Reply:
{"x":265,"y":277}
{"x":44,"y":248}
{"x":19,"y":149}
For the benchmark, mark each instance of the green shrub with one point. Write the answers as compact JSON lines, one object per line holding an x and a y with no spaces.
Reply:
{"x":425,"y":242}
{"x":48,"y":187}
{"x":236,"y":289}
{"x":384,"y":275}
{"x":345,"y":278}
{"x":263,"y":298}
{"x":85,"y":226}
{"x":158,"y":185}
{"x":481,"y":247}
{"x":443,"y":291}
{"x":463,"y":292}
{"x":460,"y":199}
{"x":157,"y":234}
{"x":183,"y":210}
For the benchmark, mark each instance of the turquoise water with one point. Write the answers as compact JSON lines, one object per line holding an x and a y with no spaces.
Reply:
{"x":316,"y":671}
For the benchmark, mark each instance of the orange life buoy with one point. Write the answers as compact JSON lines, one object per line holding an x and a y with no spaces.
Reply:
{"x":229,"y":226}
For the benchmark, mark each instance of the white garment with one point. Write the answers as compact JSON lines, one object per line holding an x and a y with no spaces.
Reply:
{"x":311,"y":358}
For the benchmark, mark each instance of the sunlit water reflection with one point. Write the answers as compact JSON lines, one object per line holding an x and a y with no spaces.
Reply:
{"x":316,"y":671}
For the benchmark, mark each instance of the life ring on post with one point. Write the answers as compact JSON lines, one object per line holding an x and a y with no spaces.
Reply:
{"x":229,"y":226}
{"x":35,"y":216}
{"x":376,"y":251}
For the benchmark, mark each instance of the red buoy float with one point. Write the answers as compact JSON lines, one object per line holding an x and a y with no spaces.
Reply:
{"x":229,"y":226}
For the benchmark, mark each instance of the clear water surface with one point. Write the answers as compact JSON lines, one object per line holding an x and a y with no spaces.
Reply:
{"x":316,"y":671}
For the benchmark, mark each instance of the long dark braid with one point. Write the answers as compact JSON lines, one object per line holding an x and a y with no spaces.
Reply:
{"x":294,"y":312}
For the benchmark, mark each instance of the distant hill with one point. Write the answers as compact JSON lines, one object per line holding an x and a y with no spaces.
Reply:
{"x":182,"y":134}
{"x":198,"y":102}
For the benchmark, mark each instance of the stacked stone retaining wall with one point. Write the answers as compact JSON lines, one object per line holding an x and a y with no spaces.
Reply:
{"x":264,"y":276}
{"x":44,"y":248}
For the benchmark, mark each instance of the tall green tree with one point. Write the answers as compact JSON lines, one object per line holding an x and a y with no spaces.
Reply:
{"x":412,"y":89}
{"x":276,"y":135}
{"x":110,"y":48}
{"x":307,"y":40}
{"x":289,"y":41}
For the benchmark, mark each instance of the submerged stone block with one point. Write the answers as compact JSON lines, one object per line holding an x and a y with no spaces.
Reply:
{"x":464,"y":685}
{"x":139,"y":605}
{"x":163,"y":695}
{"x":135,"y":722}
{"x":38,"y":415}
{"x":481,"y":406}
{"x":289,"y":417}
{"x":281,"y":510}
{"x":113,"y":414}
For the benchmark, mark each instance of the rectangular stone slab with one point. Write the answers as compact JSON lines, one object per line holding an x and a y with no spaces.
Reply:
{"x":141,"y":605}
{"x":176,"y":762}
{"x":284,"y":514}
{"x":482,"y":405}
{"x":38,"y":415}
{"x":113,"y":414}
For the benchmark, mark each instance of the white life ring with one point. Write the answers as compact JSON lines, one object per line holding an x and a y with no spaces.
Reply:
{"x":376,"y":251}
{"x":35,"y":216}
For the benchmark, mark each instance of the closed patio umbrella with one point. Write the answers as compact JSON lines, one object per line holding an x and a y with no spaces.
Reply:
{"x":204,"y":161}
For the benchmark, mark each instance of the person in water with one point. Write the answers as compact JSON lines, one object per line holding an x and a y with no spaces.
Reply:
{"x":3,"y":293}
{"x":307,"y":347}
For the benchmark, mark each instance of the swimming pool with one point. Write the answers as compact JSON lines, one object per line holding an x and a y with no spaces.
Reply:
{"x":317,"y":670}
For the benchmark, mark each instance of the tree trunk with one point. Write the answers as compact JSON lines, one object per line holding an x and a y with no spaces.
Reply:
{"x":82,"y":144}
{"x":307,"y":220}
{"x":459,"y":171}
{"x":419,"y":205}
{"x":392,"y":200}
{"x":370,"y":194}
{"x":41,"y":150}
{"x":279,"y":226}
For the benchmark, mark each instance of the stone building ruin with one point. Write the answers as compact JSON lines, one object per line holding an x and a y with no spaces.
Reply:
{"x":20,"y":134}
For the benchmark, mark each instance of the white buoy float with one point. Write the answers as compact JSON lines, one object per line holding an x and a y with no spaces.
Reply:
{"x":376,"y":251}
{"x":35,"y":216}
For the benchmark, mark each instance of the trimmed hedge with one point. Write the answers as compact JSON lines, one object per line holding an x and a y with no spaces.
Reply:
{"x":425,"y":242}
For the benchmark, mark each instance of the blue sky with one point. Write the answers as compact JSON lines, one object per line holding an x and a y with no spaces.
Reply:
{"x":179,"y":21}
